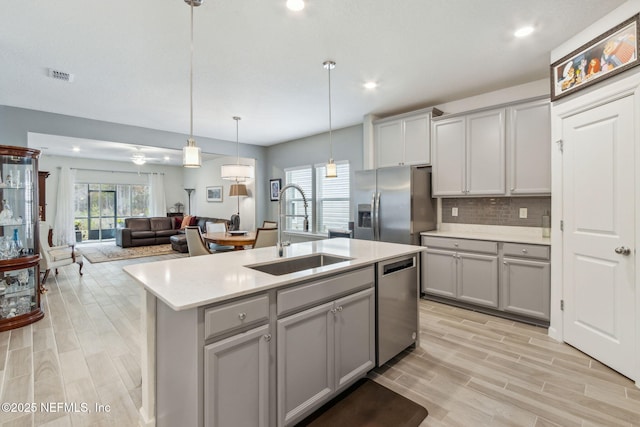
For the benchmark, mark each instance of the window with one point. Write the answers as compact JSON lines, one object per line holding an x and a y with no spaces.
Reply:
{"x":328,"y":198}
{"x":101,"y":208}
{"x":303,"y":177}
{"x":332,"y":198}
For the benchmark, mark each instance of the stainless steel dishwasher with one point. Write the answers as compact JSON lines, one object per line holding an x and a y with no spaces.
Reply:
{"x":397,"y":306}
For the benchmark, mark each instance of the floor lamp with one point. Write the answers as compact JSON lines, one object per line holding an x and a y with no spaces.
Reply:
{"x":189,"y":191}
{"x":238,"y":190}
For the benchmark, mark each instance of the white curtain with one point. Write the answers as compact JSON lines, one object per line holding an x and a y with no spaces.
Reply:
{"x":157,"y":200}
{"x":63,"y":228}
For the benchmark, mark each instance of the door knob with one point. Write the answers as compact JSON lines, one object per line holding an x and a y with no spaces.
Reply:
{"x":623,"y":250}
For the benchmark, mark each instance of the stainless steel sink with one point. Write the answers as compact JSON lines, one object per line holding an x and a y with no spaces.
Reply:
{"x":292,"y":265}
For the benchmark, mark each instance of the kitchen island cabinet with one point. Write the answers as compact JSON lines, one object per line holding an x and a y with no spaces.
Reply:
{"x":233,"y":344}
{"x":322,"y":350}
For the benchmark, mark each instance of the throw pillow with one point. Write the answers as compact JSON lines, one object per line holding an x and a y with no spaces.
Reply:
{"x":186,"y":221}
{"x":194,"y":220}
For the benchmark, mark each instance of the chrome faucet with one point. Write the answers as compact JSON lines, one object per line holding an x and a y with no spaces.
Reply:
{"x":282,"y":215}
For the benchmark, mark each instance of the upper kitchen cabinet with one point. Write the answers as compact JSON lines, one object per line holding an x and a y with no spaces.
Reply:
{"x":404,"y":139}
{"x":494,"y":152}
{"x":469,"y":155}
{"x":529,"y":150}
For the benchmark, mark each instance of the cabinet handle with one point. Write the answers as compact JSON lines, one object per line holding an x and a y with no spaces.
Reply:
{"x":267,"y":337}
{"x":505,"y":262}
{"x":524,"y":251}
{"x":242,"y":316}
{"x":340,"y":308}
{"x":333,"y":310}
{"x":513,"y":189}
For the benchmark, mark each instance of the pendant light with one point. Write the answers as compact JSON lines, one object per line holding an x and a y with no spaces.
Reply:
{"x":237,"y":172}
{"x":191,"y":156}
{"x":332,"y":171}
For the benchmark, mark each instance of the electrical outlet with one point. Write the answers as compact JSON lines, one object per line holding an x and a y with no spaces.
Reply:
{"x":454,"y":211}
{"x":523,"y":212}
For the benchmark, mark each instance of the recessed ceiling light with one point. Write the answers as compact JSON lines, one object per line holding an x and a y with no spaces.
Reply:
{"x":295,"y":5}
{"x":76,"y":149}
{"x":523,"y":32}
{"x":371,"y":85}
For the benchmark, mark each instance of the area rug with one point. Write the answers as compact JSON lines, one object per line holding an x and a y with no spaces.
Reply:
{"x":370,"y":404}
{"x":110,"y":252}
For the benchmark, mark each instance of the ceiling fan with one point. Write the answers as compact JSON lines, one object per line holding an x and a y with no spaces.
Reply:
{"x":139,"y":158}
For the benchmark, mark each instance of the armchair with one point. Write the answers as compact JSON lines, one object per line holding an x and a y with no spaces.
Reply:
{"x":56,"y":256}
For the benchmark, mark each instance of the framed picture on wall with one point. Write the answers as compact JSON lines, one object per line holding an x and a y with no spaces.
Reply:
{"x":214,"y":194}
{"x":608,"y":54}
{"x":274,"y":186}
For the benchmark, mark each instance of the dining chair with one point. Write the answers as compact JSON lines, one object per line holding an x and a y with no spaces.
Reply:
{"x":269,"y":224}
{"x":217,"y":227}
{"x":55,"y":256}
{"x":265,"y":237}
{"x":195,"y":242}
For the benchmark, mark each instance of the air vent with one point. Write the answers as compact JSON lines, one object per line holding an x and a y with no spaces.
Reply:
{"x":61,"y":75}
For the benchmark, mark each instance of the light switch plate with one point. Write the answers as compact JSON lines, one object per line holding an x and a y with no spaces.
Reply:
{"x":454,"y":211}
{"x":523,"y":212}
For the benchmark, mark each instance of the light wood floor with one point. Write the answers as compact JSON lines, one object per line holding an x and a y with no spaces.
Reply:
{"x":470,"y":369}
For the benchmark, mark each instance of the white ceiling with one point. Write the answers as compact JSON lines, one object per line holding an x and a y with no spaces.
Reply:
{"x":260,"y":61}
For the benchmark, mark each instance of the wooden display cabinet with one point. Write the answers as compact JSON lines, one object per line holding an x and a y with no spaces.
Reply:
{"x":19,"y":250}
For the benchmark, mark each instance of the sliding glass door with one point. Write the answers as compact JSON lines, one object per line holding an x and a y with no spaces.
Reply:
{"x":101,"y":208}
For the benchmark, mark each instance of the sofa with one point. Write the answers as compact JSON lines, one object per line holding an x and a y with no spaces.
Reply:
{"x":145,"y":231}
{"x":179,"y":240}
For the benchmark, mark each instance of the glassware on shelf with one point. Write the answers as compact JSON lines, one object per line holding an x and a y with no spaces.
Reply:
{"x":6,"y":215}
{"x":5,"y":247}
{"x":17,"y":243}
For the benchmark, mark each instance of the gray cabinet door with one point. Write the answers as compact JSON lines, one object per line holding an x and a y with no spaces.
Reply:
{"x":305,"y":362}
{"x":417,"y":147}
{"x":354,"y":336}
{"x":486,"y":153}
{"x":478,"y":279}
{"x":439,"y":273}
{"x":449,"y":157}
{"x":236,"y":380}
{"x":529,"y":148}
{"x":526,"y":287}
{"x":390,"y":143}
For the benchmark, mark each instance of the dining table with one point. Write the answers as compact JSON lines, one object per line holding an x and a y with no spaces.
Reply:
{"x":237,"y":240}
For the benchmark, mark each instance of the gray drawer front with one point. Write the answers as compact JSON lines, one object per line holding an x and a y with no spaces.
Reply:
{"x":324,"y":290}
{"x":522,"y":250}
{"x":237,"y":314}
{"x":460,"y":244}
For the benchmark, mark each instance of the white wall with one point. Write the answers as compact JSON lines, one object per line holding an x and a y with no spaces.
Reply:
{"x":209,"y":175}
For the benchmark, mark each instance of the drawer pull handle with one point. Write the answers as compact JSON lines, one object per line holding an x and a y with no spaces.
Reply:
{"x":340,"y":308}
{"x":242,"y":316}
{"x":267,"y":337}
{"x":524,"y":251}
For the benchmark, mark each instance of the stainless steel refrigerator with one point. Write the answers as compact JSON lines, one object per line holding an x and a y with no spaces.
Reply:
{"x":393,"y":204}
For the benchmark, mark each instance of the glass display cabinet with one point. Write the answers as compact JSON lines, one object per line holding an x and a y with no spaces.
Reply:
{"x":19,"y":250}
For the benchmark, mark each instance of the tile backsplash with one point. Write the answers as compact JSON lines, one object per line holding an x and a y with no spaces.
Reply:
{"x":496,"y":210}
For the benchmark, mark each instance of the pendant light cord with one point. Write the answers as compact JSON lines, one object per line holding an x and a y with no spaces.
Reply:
{"x":191,"y":79}
{"x":237,"y":119}
{"x":330,"y":140}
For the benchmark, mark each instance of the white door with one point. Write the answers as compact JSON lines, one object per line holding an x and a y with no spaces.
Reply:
{"x":598,"y":212}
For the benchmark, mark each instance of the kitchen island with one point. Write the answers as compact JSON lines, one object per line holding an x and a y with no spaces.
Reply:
{"x":225,"y":343}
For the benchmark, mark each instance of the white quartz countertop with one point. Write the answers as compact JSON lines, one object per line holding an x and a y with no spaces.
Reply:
{"x":186,"y":283}
{"x":531,"y":235}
